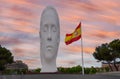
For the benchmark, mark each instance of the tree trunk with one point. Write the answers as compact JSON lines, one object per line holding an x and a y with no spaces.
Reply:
{"x":115,"y":65}
{"x":110,"y":66}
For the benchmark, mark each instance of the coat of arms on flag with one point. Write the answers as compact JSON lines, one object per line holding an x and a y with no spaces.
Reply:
{"x":76,"y":35}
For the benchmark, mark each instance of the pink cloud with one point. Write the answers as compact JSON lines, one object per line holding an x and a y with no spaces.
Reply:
{"x":105,"y":34}
{"x":8,"y":40}
{"x":67,"y":62}
{"x":22,"y":26}
{"x":21,"y":2}
{"x":77,"y":49}
{"x":100,"y":23}
{"x":25,"y":12}
{"x":19,"y":52}
{"x":33,"y":63}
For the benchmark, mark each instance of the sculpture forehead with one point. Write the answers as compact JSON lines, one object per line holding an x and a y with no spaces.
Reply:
{"x":49,"y":13}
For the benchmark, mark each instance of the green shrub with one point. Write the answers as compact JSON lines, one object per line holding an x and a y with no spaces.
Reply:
{"x":92,"y":70}
{"x":86,"y":70}
{"x":76,"y":69}
{"x":107,"y":69}
{"x":37,"y":70}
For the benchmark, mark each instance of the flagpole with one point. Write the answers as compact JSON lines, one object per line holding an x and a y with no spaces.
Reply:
{"x":82,"y":53}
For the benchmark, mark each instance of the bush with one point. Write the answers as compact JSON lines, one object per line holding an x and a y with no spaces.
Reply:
{"x":86,"y":70}
{"x":91,"y":70}
{"x":37,"y":70}
{"x":76,"y":69}
{"x":107,"y":69}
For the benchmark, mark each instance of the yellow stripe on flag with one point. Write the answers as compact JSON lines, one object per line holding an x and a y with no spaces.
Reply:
{"x":73,"y":36}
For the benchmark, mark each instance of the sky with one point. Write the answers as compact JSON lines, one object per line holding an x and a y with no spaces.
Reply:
{"x":20,"y":25}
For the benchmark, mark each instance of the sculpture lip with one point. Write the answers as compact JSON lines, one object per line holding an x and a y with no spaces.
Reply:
{"x":49,"y":47}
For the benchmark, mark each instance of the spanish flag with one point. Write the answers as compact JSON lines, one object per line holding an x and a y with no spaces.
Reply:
{"x":76,"y":35}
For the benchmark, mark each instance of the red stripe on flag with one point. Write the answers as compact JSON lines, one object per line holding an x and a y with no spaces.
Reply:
{"x":73,"y":39}
{"x":69,"y":34}
{"x":78,"y":26}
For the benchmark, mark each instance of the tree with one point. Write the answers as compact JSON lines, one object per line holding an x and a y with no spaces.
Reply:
{"x":115,"y":51}
{"x":108,"y":52}
{"x":103,"y":53}
{"x":5,"y":57}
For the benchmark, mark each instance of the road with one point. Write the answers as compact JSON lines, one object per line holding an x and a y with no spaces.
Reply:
{"x":64,"y":76}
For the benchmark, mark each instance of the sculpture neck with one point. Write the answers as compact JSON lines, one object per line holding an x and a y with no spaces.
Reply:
{"x":49,"y":66}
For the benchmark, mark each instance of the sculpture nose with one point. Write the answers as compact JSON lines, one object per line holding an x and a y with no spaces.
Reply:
{"x":49,"y":35}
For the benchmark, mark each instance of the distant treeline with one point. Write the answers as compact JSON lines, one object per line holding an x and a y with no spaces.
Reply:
{"x":61,"y":70}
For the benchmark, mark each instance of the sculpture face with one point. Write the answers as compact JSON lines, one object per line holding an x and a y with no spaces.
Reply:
{"x":49,"y":34}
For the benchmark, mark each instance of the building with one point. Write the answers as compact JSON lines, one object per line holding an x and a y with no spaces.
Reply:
{"x":17,"y":65}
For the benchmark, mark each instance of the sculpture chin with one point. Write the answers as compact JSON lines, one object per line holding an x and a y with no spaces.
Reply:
{"x":49,"y":54}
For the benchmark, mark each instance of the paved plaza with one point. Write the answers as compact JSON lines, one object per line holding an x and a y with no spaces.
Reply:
{"x":111,"y":75}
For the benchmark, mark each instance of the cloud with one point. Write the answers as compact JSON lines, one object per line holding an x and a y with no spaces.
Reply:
{"x":24,"y":12}
{"x":22,"y":3}
{"x":89,"y":49}
{"x":26,"y":48}
{"x":9,"y":41}
{"x":26,"y":29}
{"x":22,"y":20}
{"x":77,"y":49}
{"x":102,"y":11}
{"x":67,"y":61}
{"x":83,"y":5}
{"x":105,"y":34}
{"x":33,"y":63}
{"x":19,"y":27}
{"x":18,"y":52}
{"x":25,"y":53}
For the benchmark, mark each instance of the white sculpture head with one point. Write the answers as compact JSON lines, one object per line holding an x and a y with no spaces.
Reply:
{"x":49,"y":39}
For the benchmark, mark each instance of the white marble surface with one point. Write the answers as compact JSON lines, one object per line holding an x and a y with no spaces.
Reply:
{"x":49,"y":39}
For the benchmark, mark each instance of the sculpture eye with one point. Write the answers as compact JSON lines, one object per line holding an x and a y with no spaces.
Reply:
{"x":45,"y":28}
{"x":54,"y":28}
